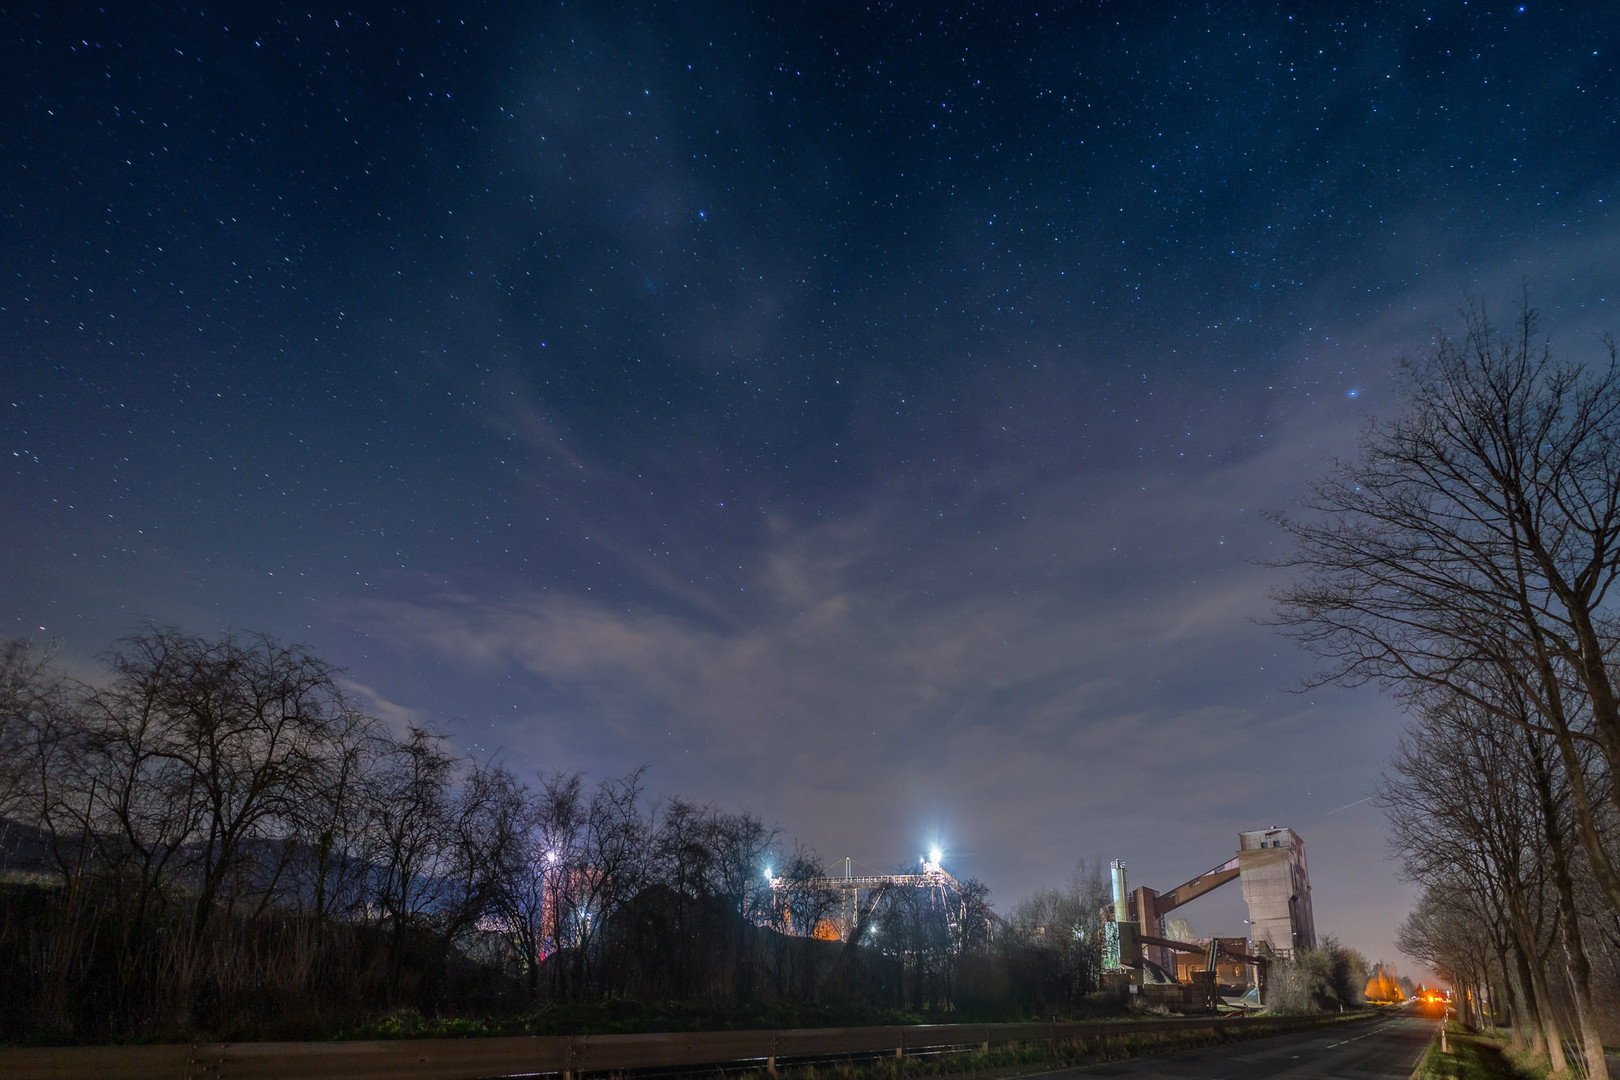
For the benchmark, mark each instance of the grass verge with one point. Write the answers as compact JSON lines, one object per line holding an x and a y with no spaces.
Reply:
{"x":1470,"y":1057}
{"x":626,"y":1017}
{"x":621,"y":1017}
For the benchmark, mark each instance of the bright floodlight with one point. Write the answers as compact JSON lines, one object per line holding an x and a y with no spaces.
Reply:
{"x":934,"y":855}
{"x":767,"y":873}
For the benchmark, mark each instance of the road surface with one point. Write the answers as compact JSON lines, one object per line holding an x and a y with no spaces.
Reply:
{"x":1383,"y":1049}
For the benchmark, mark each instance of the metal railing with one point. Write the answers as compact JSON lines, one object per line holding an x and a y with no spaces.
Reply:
{"x":567,"y":1056}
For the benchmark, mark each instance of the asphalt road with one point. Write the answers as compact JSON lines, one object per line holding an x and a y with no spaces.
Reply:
{"x":1384,"y":1049}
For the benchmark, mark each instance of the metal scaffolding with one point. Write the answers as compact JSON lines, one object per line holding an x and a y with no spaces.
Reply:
{"x":856,"y":909}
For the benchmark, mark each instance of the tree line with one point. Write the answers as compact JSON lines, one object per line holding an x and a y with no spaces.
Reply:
{"x":1464,"y":559}
{"x":214,"y":840}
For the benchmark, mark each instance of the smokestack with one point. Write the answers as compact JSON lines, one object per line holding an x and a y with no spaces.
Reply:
{"x":1130,"y":950}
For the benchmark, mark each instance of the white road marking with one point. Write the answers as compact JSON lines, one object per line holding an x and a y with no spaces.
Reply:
{"x":1358,"y":1038}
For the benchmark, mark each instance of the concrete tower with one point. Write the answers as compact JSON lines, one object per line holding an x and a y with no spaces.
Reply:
{"x":1277,"y":888}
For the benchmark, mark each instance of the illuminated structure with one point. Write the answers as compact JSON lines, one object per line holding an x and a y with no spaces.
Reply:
{"x":1270,"y":863}
{"x":856,"y":907}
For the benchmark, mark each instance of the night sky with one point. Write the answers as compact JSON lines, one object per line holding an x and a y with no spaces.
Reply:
{"x":864,"y":415}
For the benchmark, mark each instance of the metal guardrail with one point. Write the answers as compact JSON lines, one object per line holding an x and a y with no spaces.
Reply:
{"x":566,"y":1055}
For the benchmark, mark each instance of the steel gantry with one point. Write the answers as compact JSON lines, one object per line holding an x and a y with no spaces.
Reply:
{"x":855,"y":908}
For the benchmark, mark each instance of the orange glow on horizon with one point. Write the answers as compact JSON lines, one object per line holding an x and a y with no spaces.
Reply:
{"x":1383,"y":988}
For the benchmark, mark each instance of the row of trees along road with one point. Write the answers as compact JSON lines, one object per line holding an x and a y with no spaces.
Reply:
{"x":1465,"y":560}
{"x":212,"y":840}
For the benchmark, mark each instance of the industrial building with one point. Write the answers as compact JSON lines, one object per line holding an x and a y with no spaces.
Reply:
{"x":1269,"y":864}
{"x":1277,"y":888}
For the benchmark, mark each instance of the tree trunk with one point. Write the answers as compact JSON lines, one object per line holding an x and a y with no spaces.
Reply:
{"x":1576,"y":965}
{"x":1531,"y":1001}
{"x":1550,"y":1037}
{"x":1551,"y":709}
{"x":1513,"y":1003}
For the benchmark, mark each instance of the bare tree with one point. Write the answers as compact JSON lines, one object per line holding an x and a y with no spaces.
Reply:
{"x":489,"y":822}
{"x":520,"y":882}
{"x":808,"y":913}
{"x":1448,"y":932}
{"x":1551,"y":793}
{"x":335,"y":818}
{"x":408,"y":848}
{"x":1481,"y":527}
{"x":29,"y":693}
{"x":1462,"y":815}
{"x":612,"y":867}
{"x":231,"y":847}
{"x":563,"y":814}
{"x":229,"y":733}
{"x":1053,"y":937}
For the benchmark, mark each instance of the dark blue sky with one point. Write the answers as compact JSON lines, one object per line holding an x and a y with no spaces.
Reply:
{"x":863,"y":414}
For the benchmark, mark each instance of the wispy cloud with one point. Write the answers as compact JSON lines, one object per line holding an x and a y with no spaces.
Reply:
{"x":925,"y":663}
